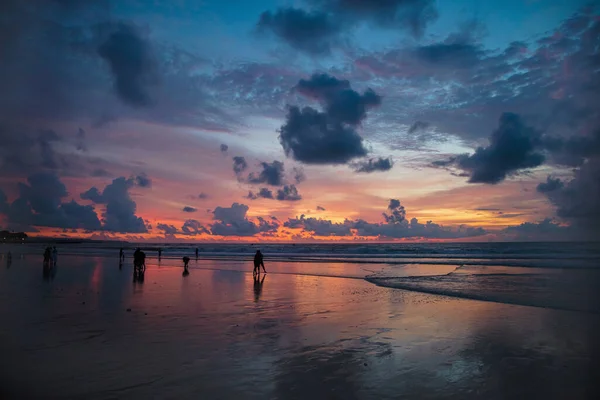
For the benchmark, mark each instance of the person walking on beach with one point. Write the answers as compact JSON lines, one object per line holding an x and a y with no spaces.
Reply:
{"x":54,"y":256}
{"x":47,"y":257}
{"x":196,"y":253}
{"x":159,"y":253}
{"x":121,"y":254}
{"x":186,"y":262}
{"x":258,"y":262}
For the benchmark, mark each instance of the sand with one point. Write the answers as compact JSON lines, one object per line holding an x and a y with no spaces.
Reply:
{"x":90,"y":332}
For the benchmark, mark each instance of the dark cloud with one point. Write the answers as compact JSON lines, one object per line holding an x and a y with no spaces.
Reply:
{"x":40,"y":204}
{"x":397,"y":212}
{"x":512,"y":148}
{"x":142,"y":180}
{"x":191,"y":227}
{"x":309,"y":136}
{"x":239,"y":165}
{"x":329,"y":137}
{"x":309,"y":31}
{"x":288,"y":193}
{"x":319,"y":227}
{"x":418,"y":126}
{"x":373,"y":165}
{"x":189,"y":209}
{"x":341,"y":102}
{"x":396,"y":226}
{"x":578,"y":200}
{"x":271,"y":174}
{"x":120,"y":208}
{"x":203,"y":196}
{"x":543,"y":230}
{"x":319,"y":208}
{"x":129,"y":58}
{"x":550,"y":185}
{"x":263,"y":193}
{"x":232,"y":221}
{"x":224,"y":148}
{"x":168,"y":230}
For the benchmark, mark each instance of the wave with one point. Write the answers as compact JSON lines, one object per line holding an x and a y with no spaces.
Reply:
{"x":572,"y":292}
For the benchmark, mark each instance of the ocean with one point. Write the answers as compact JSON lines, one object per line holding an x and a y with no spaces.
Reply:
{"x":563,"y":276}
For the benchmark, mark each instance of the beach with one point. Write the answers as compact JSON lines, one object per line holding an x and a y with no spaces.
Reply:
{"x":88,"y":331}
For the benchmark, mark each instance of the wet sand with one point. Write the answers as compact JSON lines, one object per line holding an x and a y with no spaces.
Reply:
{"x":216,"y":334}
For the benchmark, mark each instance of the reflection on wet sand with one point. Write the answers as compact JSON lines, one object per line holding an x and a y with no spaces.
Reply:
{"x":223,"y":334}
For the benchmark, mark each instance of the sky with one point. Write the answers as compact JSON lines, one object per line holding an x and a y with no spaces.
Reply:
{"x":304,"y":120}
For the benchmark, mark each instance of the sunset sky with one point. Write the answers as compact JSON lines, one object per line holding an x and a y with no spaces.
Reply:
{"x":241,"y":120}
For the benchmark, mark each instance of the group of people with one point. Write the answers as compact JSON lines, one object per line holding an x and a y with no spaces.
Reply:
{"x":139,"y":262}
{"x":50,"y":257}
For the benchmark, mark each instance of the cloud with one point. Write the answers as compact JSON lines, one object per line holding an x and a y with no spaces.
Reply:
{"x":309,"y":136}
{"x":271,"y":174}
{"x":203,"y":196}
{"x":239,"y":165}
{"x":232,"y":221}
{"x":120,"y":208}
{"x":512,"y":148}
{"x":371,"y":165}
{"x":189,"y":209}
{"x":341,"y":102}
{"x":192,"y":227}
{"x":396,"y":226}
{"x":329,"y":137}
{"x":550,"y":185}
{"x":129,"y":58}
{"x":578,"y":200}
{"x":319,"y":227}
{"x":40,"y":204}
{"x":546,"y":229}
{"x":319,"y":208}
{"x":168,"y":230}
{"x":142,"y":180}
{"x":224,"y":148}
{"x":308,"y":31}
{"x":263,"y":193}
{"x":288,"y":193}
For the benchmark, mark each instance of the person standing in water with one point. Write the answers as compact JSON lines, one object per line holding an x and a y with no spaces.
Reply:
{"x":258,"y":262}
{"x":159,"y":253}
{"x":196,"y":253}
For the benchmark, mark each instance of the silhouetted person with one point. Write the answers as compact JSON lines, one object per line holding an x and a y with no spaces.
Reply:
{"x":139,"y":261}
{"x":186,"y":262}
{"x":258,"y":262}
{"x":47,"y":257}
{"x":258,"y":285}
{"x":121,"y":255}
{"x":196,"y":253}
{"x":159,"y":253}
{"x":54,"y":256}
